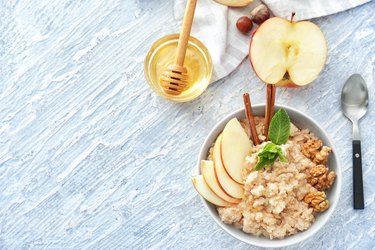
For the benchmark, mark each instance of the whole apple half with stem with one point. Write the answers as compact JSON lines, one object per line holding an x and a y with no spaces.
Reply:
{"x":287,"y":53}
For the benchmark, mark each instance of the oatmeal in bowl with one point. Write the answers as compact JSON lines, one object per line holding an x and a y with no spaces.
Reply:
{"x":285,"y":189}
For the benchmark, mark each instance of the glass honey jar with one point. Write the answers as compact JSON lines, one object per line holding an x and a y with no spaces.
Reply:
{"x":197,"y":62}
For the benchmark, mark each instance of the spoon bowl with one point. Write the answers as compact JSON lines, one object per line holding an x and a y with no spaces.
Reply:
{"x":354,"y":98}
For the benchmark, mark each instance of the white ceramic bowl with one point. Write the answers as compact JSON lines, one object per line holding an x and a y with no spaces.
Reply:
{"x":301,"y":121}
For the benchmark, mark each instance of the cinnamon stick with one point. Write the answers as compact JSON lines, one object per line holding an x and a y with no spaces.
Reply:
{"x":250,"y":118}
{"x":270,"y":106}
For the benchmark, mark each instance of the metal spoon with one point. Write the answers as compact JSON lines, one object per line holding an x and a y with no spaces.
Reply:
{"x":354,"y":103}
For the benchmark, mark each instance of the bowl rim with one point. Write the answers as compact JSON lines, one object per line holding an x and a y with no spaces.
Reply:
{"x":275,"y":242}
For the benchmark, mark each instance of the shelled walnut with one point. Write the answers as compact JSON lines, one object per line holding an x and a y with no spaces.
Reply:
{"x":322,"y":156}
{"x":320,"y":177}
{"x":311,"y":148}
{"x":315,"y":150}
{"x":317,"y":200}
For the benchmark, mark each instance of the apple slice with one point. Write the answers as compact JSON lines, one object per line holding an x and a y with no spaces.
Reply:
{"x":201,"y":186}
{"x":287,"y":53}
{"x":234,"y":3}
{"x":227,"y":184}
{"x":235,"y":146}
{"x":208,"y":172}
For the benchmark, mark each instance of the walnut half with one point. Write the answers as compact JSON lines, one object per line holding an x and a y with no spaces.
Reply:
{"x":317,"y":200}
{"x":320,"y":177}
{"x":311,"y":147}
{"x":322,"y":156}
{"x":315,"y":150}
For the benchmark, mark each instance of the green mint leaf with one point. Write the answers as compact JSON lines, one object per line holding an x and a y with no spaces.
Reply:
{"x":269,"y":151}
{"x":272,"y":156}
{"x":268,"y":156}
{"x":264,"y":162}
{"x":282,"y":157}
{"x":270,"y":147}
{"x":279,"y":129}
{"x":266,"y":153}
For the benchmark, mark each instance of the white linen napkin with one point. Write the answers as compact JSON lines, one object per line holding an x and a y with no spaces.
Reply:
{"x":215,"y":25}
{"x":307,"y":9}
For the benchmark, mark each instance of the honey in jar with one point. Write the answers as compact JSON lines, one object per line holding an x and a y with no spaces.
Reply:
{"x":197,"y":62}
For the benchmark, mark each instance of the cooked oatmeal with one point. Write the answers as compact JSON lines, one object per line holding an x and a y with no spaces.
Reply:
{"x":273,"y":204}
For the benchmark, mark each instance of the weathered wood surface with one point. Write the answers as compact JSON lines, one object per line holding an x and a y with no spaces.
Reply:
{"x":91,"y":158}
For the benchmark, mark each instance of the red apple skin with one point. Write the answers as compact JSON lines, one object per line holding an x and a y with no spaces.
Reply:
{"x":225,"y":168}
{"x":217,"y":177}
{"x":286,"y":83}
{"x":222,"y":188}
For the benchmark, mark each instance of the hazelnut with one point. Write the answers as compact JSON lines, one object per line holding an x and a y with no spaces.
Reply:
{"x":244,"y":24}
{"x":260,"y":14}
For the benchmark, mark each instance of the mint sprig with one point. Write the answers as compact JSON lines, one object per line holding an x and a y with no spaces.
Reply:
{"x":278,"y":132}
{"x":279,"y":129}
{"x":264,"y":162}
{"x":268,"y":156}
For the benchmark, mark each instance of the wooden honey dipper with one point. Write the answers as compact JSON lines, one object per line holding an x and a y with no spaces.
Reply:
{"x":174,"y":79}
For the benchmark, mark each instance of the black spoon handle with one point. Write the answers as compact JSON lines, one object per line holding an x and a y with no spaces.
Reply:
{"x":357,"y":176}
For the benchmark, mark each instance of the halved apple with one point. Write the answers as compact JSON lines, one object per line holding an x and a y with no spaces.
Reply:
{"x":235,"y":146}
{"x":234,"y":3}
{"x":286,"y":53}
{"x":227,"y":184}
{"x":203,"y":189}
{"x":208,"y":172}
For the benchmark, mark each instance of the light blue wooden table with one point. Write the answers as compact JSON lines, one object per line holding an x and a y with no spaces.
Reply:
{"x":91,"y":158}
